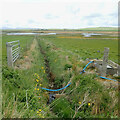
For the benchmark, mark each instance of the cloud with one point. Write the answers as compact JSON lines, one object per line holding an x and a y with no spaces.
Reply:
{"x":115,"y":14}
{"x":92,"y":16}
{"x":30,"y":21}
{"x":51,"y":14}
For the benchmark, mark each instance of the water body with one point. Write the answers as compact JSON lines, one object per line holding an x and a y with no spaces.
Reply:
{"x":31,"y":33}
{"x":90,"y":34}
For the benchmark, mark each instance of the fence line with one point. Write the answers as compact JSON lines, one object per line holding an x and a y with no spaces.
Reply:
{"x":13,"y":52}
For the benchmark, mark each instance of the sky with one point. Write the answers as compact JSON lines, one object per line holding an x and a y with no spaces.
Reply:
{"x":58,"y":14}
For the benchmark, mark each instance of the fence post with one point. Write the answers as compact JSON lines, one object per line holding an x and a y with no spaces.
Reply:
{"x":19,"y":48}
{"x":9,"y":55}
{"x":118,"y":70}
{"x":105,"y":62}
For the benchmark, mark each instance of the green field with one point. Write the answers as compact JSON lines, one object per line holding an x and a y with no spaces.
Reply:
{"x":85,"y":47}
{"x":102,"y":29}
{"x":53,"y":61}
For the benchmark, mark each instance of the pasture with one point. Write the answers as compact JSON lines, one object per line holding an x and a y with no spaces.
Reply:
{"x":86,"y":47}
{"x":53,"y":61}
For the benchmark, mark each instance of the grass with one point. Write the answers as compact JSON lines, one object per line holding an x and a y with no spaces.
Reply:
{"x":98,"y":96}
{"x":101,"y":29}
{"x":86,"y":48}
{"x":16,"y":82}
{"x":86,"y":97}
{"x":25,"y":42}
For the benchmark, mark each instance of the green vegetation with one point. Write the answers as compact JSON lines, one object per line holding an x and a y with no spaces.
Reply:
{"x":25,"y":42}
{"x":91,"y":98}
{"x":87,"y":97}
{"x":86,"y":48}
{"x":16,"y":83}
{"x":101,"y":29}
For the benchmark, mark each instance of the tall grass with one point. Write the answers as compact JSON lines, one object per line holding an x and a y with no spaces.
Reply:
{"x":86,"y":97}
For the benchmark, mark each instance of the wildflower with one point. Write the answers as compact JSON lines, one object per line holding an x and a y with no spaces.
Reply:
{"x":37,"y":111}
{"x":39,"y":98}
{"x":38,"y":89}
{"x":35,"y":73}
{"x":88,"y":104}
{"x":35,"y":88}
{"x":79,"y":102}
{"x":36,"y":84}
{"x":40,"y":84}
{"x":42,"y":67}
{"x":44,"y":71}
{"x":37,"y":80}
{"x":40,"y":110}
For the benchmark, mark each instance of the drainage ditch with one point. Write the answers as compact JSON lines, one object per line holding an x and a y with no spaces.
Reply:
{"x":50,"y":75}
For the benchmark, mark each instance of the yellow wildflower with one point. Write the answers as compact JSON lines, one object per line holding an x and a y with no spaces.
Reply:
{"x":35,"y":73}
{"x":44,"y":71}
{"x":40,"y":84}
{"x":39,"y":98}
{"x":37,"y":80}
{"x":38,"y":89}
{"x":88,"y":104}
{"x":79,"y":102}
{"x":40,"y":110}
{"x":36,"y":84}
{"x":35,"y":88}
{"x":42,"y":67}
{"x":37,"y":111}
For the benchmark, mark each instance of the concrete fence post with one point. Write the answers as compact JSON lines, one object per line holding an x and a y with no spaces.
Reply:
{"x":105,"y":62}
{"x":9,"y":55}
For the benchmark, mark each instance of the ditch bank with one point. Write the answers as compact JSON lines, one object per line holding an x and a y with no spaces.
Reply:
{"x":50,"y":75}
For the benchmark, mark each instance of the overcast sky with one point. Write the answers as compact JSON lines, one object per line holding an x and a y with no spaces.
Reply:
{"x":71,"y":14}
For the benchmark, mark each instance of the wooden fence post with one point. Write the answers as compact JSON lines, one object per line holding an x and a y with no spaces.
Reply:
{"x":9,"y":55}
{"x":105,"y":62}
